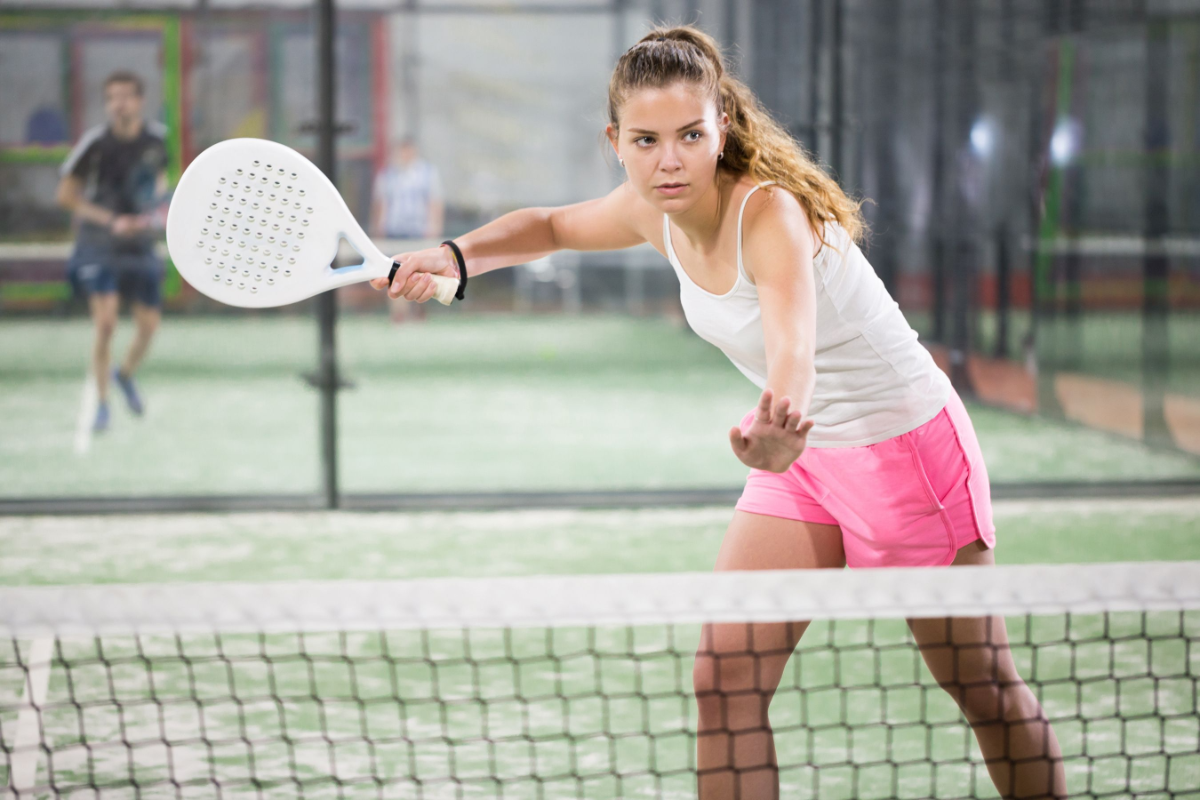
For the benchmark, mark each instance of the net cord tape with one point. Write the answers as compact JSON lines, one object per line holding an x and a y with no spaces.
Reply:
{"x":582,"y":600}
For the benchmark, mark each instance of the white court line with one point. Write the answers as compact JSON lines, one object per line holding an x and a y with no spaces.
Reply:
{"x":88,"y":402}
{"x":26,"y":752}
{"x":1187,"y":504}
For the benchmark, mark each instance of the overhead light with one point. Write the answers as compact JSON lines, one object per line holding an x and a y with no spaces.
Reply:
{"x":983,"y":137}
{"x":1064,"y":142}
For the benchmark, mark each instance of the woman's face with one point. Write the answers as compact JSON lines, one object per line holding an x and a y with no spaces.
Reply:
{"x":670,"y":139}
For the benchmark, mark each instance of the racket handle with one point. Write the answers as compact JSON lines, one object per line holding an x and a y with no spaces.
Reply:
{"x":446,"y":288}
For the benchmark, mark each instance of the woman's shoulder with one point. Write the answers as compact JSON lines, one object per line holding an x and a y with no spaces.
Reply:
{"x":771,"y":208}
{"x":775,"y":233}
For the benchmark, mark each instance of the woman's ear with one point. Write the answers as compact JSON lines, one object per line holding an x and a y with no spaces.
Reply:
{"x":611,"y":133}
{"x":723,"y":124}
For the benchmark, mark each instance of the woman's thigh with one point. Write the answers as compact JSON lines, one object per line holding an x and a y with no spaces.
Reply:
{"x":758,"y":652}
{"x":756,"y":541}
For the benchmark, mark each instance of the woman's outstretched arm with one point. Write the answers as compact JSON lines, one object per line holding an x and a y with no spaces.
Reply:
{"x":779,"y":244}
{"x":613,"y":222}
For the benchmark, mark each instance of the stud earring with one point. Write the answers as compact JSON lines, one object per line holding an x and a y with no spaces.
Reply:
{"x":720,"y":155}
{"x":621,"y":160}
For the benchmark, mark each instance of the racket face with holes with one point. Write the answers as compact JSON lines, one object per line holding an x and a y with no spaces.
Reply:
{"x":253,"y":223}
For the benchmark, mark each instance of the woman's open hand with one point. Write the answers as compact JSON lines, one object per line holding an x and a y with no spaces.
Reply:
{"x":774,"y":439}
{"x":412,"y":280}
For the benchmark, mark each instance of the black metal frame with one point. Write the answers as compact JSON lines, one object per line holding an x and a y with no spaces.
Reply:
{"x":1156,"y":266}
{"x":498,"y":501}
{"x":327,"y":371}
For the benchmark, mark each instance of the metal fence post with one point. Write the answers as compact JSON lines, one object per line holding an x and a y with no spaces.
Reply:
{"x":327,"y":371}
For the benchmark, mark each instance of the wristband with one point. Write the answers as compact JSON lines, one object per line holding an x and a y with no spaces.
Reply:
{"x":462,"y":269}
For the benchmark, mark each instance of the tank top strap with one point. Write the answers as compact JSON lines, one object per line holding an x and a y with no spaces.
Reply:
{"x":741,"y":213}
{"x":672,"y":259}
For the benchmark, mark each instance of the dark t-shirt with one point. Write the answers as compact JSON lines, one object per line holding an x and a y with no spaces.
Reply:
{"x":119,"y":175}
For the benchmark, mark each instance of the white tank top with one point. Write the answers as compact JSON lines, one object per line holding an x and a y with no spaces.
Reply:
{"x":874,"y":380}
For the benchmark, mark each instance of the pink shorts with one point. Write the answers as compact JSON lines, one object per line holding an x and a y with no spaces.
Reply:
{"x":910,"y":501}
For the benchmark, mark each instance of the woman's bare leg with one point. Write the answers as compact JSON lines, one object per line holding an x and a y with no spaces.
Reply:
{"x":739,"y":666}
{"x":970,"y":658}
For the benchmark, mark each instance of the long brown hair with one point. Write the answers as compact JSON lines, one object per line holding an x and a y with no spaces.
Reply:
{"x":755,"y":144}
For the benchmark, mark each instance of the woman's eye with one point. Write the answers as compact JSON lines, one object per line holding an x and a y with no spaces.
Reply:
{"x":643,"y":141}
{"x":693,"y":136}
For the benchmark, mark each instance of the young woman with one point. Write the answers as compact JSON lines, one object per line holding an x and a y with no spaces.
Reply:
{"x":861,"y":453}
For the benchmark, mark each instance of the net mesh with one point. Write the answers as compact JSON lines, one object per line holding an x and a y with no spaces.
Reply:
{"x":587,"y":686}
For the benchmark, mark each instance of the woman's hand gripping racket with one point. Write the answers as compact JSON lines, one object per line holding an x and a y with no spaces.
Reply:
{"x":255,"y":224}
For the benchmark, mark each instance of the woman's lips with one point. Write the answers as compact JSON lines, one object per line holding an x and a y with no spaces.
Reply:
{"x":671,"y":188}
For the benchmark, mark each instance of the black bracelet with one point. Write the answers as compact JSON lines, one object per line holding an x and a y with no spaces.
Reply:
{"x":462,"y":269}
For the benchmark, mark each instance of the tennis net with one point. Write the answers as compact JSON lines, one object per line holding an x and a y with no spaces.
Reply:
{"x":584,"y":686}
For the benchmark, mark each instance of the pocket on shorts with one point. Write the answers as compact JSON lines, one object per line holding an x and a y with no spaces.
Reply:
{"x":893,"y":480}
{"x":945,"y":466}
{"x":907,"y":517}
{"x":936,"y":493}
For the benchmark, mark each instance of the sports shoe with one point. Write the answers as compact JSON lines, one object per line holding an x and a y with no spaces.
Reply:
{"x":100,"y":424}
{"x":132,"y":399}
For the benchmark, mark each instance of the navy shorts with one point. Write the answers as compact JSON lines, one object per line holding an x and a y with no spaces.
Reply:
{"x":135,"y":276}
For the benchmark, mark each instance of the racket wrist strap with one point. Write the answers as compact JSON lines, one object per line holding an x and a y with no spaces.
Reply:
{"x":462,"y":269}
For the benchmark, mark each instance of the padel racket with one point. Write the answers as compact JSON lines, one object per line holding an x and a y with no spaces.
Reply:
{"x":255,"y":224}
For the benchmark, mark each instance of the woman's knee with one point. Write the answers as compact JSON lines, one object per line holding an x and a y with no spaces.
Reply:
{"x":993,"y":698}
{"x":729,"y":699}
{"x":981,"y":701}
{"x":704,"y":684}
{"x":731,"y":677}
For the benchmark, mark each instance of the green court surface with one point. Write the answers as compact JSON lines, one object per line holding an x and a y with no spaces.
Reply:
{"x":350,"y":546}
{"x":608,"y":711}
{"x":458,"y":403}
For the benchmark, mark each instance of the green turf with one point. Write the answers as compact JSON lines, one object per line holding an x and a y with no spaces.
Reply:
{"x":349,"y":546}
{"x":456,"y":404}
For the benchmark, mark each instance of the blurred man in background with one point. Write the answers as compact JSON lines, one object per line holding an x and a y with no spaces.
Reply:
{"x":407,"y":204}
{"x":112,"y":182}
